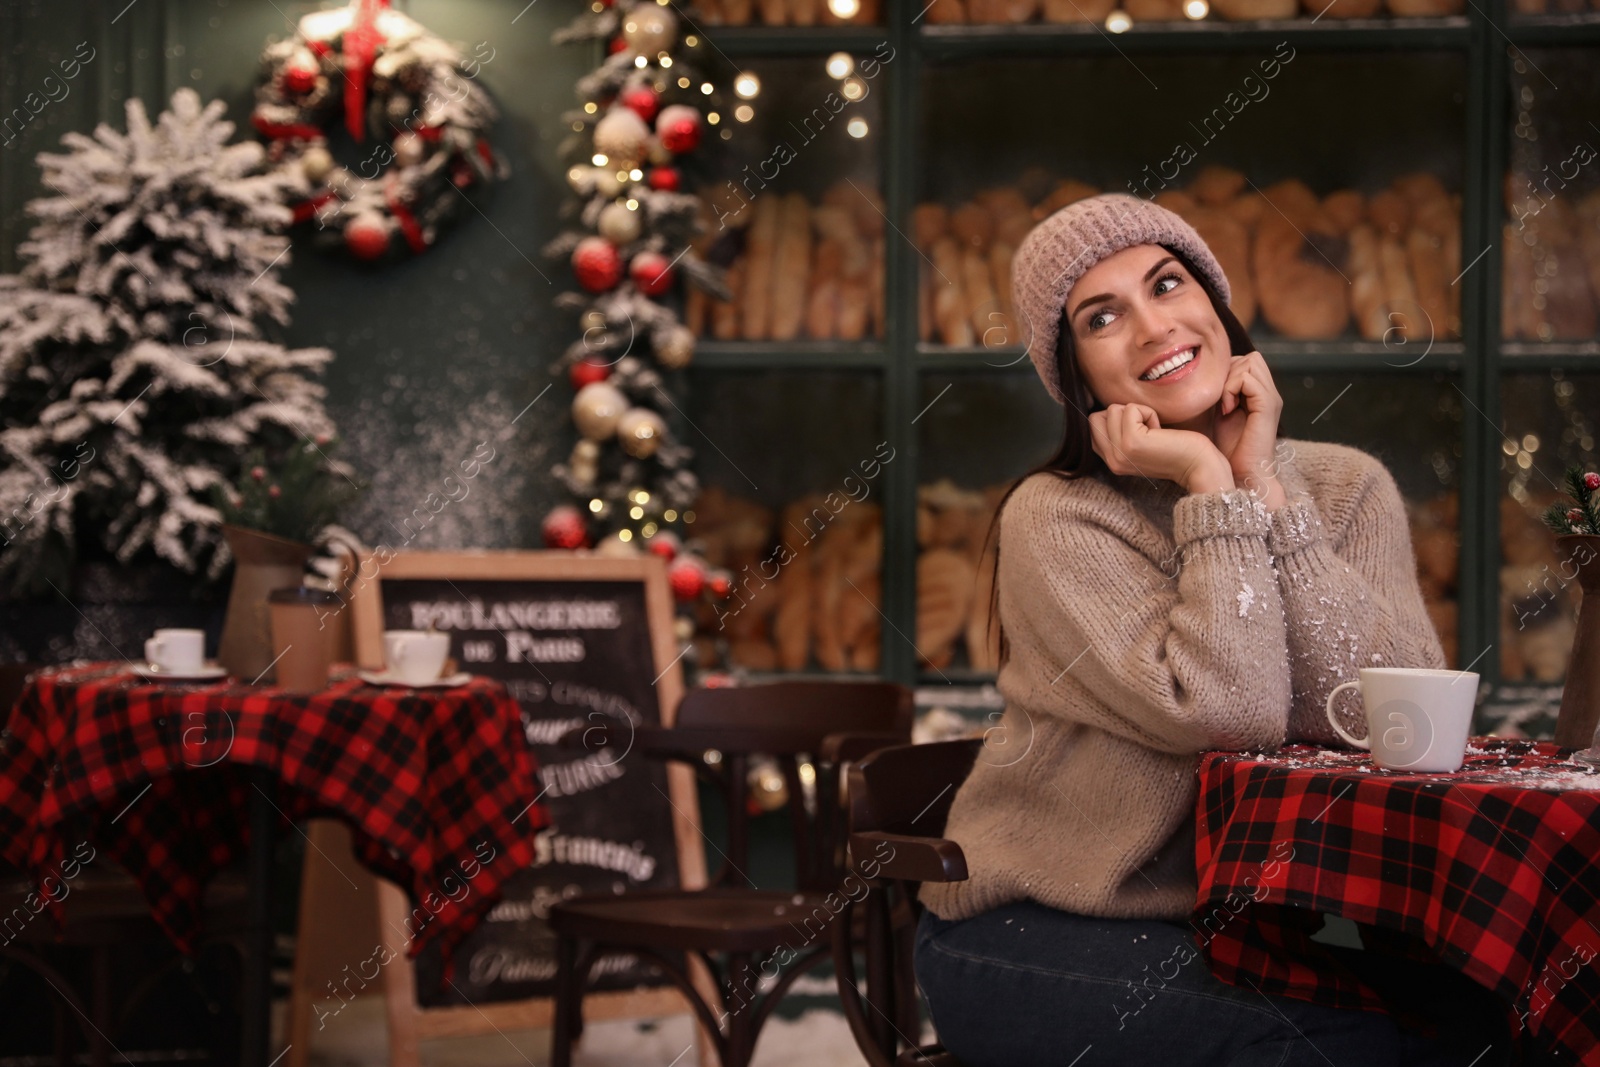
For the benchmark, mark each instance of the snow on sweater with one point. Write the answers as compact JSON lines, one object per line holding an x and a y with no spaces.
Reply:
{"x":1147,"y":626}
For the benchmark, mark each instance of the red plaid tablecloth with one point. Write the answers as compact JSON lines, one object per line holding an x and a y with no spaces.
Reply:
{"x":437,"y":785}
{"x":1493,"y":870}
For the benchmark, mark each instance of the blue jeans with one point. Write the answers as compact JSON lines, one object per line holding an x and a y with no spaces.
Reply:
{"x":1026,"y":985}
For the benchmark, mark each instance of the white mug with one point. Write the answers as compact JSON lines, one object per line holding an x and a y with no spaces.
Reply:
{"x":177,"y":651}
{"x":1417,"y":719}
{"x":416,"y":657}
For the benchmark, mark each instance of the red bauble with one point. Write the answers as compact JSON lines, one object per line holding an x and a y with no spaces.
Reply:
{"x":367,"y":237}
{"x":618,"y":45}
{"x":664,"y":179}
{"x":721,"y":584}
{"x":586,"y":371}
{"x":687,"y":577}
{"x":678,"y":128}
{"x":597,"y":263}
{"x":643,"y":100}
{"x":664,"y":544}
{"x":300,"y":78}
{"x":651,"y":272}
{"x":564,"y":528}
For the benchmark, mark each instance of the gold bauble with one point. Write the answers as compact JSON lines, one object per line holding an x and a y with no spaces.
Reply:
{"x":639,"y":431}
{"x":316,"y":164}
{"x":596,"y":409}
{"x":409,"y":148}
{"x":676,"y":347}
{"x":621,"y":137}
{"x":649,"y":29}
{"x":619,"y":224}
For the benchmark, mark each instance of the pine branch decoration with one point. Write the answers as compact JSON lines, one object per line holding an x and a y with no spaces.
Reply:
{"x":1577,"y":513}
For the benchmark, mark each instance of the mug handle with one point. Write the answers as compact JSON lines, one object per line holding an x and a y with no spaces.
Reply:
{"x":152,"y":650}
{"x":1359,"y":742}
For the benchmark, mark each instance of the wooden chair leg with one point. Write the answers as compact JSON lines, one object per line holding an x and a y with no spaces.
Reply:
{"x":908,"y":1009}
{"x":100,"y":1006}
{"x":880,"y":971}
{"x":741,"y":1016}
{"x":569,"y":1002}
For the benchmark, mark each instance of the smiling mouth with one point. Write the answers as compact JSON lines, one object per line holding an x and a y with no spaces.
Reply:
{"x":1177,"y":362}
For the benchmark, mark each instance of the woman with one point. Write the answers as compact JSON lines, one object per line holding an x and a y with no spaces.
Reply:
{"x":1175,"y":579}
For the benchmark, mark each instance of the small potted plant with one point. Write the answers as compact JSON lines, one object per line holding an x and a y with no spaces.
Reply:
{"x":270,"y":519}
{"x":1576,"y":522}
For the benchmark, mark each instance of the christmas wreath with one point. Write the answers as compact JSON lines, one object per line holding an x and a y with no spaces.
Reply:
{"x":389,"y":79}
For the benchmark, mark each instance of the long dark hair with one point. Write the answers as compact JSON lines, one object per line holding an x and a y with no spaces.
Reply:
{"x":1076,"y":458}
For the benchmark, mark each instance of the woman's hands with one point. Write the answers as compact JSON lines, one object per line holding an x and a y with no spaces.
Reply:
{"x":1246,"y":426}
{"x":1130,"y":439}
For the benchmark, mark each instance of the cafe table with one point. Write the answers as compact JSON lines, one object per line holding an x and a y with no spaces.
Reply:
{"x":175,"y":781}
{"x":1493,"y":870}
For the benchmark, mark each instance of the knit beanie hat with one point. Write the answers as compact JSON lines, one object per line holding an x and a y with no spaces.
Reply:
{"x":1062,"y":248}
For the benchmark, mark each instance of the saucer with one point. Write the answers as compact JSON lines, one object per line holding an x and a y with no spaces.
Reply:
{"x":449,"y":681}
{"x":149,"y":671}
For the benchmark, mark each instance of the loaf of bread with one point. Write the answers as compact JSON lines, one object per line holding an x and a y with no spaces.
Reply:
{"x":761,"y":246}
{"x":791,"y":268}
{"x":1302,"y":294}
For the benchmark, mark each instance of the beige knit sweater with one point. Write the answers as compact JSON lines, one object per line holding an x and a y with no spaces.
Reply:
{"x":1147,"y":626}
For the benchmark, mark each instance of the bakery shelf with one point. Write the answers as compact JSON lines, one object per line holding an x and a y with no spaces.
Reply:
{"x":1555,"y":29}
{"x":787,"y":355}
{"x":1542,"y":355}
{"x":1207,"y":35}
{"x":746,"y":41}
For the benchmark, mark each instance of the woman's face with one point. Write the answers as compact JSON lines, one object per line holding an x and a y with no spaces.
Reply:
{"x":1131,"y":314}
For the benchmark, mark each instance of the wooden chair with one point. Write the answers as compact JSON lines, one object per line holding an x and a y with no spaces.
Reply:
{"x":898,"y":800}
{"x":752,"y":928}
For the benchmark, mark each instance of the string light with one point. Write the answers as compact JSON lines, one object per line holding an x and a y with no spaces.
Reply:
{"x":1118,"y":21}
{"x":845,"y":9}
{"x":624,"y":535}
{"x":840,"y":65}
{"x":596,"y":504}
{"x":636,"y":512}
{"x":713,"y":118}
{"x":641,"y":62}
{"x":600,"y":159}
{"x":744,"y":112}
{"x":856,"y":128}
{"x":664,"y":59}
{"x":591,"y":107}
{"x":747,"y":85}
{"x":1196,"y":9}
{"x":705,"y":87}
{"x":670,"y":515}
{"x":636,"y":174}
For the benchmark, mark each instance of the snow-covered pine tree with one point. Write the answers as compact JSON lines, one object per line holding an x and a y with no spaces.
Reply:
{"x":135,"y":366}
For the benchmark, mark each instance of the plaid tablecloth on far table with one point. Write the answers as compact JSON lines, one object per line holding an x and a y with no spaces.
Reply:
{"x":1493,"y":870}
{"x":438,"y":785}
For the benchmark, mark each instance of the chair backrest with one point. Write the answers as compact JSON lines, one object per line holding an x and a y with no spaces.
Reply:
{"x":787,"y":721}
{"x":898,"y":802}
{"x":907,"y":789}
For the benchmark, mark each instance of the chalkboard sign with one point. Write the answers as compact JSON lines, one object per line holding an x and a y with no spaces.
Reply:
{"x":572,"y":638}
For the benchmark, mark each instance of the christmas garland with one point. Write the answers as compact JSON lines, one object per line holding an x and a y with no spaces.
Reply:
{"x":386,"y":76}
{"x":634,"y":154}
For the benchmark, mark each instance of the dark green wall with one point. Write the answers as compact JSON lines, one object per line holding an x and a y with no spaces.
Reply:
{"x":434,"y":353}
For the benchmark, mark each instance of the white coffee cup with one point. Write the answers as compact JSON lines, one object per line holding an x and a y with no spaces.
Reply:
{"x":177,"y":651}
{"x":416,"y":657}
{"x":1417,"y":719}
